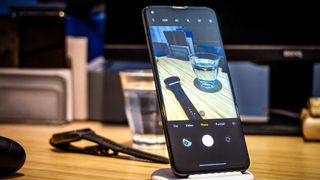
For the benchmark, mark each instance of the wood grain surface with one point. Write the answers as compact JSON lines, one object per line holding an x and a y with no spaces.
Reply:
{"x":215,"y":105}
{"x":272,"y":157}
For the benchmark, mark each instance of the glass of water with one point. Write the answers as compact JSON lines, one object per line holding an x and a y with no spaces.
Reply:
{"x":206,"y":68}
{"x":142,"y":110}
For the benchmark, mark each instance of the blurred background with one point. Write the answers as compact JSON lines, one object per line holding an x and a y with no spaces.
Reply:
{"x":64,"y":58}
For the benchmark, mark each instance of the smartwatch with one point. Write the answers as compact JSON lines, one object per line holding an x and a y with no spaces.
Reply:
{"x":173,"y":84}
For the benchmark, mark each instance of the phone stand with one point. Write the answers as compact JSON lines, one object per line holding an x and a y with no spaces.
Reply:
{"x":166,"y":174}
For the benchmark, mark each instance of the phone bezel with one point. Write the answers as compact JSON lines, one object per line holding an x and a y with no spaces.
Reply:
{"x":174,"y":169}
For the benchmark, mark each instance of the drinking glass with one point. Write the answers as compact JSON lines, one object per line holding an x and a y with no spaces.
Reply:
{"x":142,"y":110}
{"x":206,"y":68}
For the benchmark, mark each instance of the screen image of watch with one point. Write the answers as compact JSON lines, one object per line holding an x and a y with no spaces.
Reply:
{"x":63,"y":141}
{"x":173,"y":84}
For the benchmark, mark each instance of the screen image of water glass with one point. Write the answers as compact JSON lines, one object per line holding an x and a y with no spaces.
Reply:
{"x":142,"y":110}
{"x":206,"y":68}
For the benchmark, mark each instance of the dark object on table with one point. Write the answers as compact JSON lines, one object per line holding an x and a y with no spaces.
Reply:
{"x":104,"y":147}
{"x":12,"y":156}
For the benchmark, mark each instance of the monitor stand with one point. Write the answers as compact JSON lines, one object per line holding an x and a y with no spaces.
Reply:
{"x":166,"y":174}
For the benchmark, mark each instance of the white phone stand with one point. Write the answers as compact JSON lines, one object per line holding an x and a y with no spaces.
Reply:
{"x":166,"y":174}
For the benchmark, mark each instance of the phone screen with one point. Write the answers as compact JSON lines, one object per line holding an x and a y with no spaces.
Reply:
{"x":194,"y":86}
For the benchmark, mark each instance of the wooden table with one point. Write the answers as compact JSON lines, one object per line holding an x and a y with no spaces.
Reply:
{"x":272,"y":157}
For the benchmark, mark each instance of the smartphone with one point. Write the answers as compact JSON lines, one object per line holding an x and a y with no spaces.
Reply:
{"x":198,"y":107}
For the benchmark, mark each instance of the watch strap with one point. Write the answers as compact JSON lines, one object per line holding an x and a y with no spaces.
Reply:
{"x":107,"y":143}
{"x":173,"y":84}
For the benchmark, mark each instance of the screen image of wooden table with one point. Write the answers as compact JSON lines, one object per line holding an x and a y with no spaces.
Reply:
{"x":214,"y":105}
{"x":272,"y":157}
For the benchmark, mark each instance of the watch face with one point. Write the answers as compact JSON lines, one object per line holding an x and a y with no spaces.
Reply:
{"x":194,"y":88}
